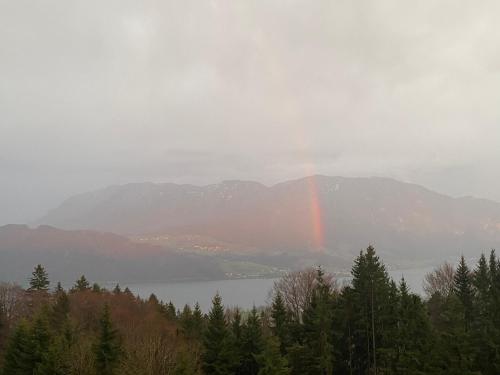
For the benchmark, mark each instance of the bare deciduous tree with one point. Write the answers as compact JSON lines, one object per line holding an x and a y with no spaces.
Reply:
{"x":296,"y":289}
{"x":440,"y":280}
{"x":12,"y":298}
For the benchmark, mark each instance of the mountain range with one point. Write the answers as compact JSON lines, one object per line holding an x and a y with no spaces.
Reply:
{"x":336,"y":216}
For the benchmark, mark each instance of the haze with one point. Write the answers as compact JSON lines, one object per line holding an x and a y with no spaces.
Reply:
{"x":95,"y":93}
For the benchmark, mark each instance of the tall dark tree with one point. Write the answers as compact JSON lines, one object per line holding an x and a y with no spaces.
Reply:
{"x":59,"y":315}
{"x":107,"y":349}
{"x":39,"y":280}
{"x":463,"y":290}
{"x":455,"y":353}
{"x":485,"y":334}
{"x":318,"y":327}
{"x":20,"y":356}
{"x":251,"y":344}
{"x":170,"y":312}
{"x":236,"y":325}
{"x":186,"y":321}
{"x":198,"y":321}
{"x":81,"y":285}
{"x":371,"y":313}
{"x":219,"y":357}
{"x":280,"y":322}
{"x":413,"y":337}
{"x":271,"y":361}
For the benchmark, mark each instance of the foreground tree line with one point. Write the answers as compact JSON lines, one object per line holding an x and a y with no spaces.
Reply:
{"x":371,"y":326}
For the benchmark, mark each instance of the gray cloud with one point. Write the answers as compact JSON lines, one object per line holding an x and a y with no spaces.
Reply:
{"x":94,"y":93}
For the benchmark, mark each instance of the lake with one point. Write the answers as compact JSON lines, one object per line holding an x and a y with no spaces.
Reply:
{"x":244,"y":292}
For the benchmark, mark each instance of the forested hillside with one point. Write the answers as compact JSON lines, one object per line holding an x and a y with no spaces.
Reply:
{"x":375,"y":325}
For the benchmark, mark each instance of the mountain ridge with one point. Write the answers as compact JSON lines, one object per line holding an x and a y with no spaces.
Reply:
{"x":339,"y":215}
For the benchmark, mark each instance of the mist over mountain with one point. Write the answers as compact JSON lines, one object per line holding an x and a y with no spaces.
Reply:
{"x":331,"y":215}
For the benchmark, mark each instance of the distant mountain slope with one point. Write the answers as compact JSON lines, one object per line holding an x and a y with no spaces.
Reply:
{"x":336,"y":214}
{"x":100,"y":256}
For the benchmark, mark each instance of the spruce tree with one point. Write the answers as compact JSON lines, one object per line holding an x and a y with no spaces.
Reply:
{"x":107,"y":349}
{"x":20,"y":353}
{"x":236,"y":325}
{"x":251,"y":344}
{"x":413,"y":337}
{"x":184,"y":365}
{"x":170,"y":311}
{"x":455,"y":353}
{"x":484,"y":331}
{"x":218,"y":356}
{"x":60,"y":311}
{"x":59,"y":288}
{"x":318,"y":327}
{"x":96,"y":288}
{"x":39,"y":280}
{"x":370,"y":293}
{"x":186,"y":321}
{"x":271,"y":361}
{"x":463,"y":290}
{"x":280,"y":322}
{"x":81,"y":285}
{"x":198,"y":321}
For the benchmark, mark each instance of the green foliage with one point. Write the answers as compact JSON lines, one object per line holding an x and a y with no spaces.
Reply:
{"x":81,"y":285}
{"x":107,"y":349}
{"x":219,"y":357}
{"x":281,"y":322}
{"x":19,"y":356}
{"x":463,"y":290}
{"x":371,"y":326}
{"x":184,"y":365}
{"x":271,"y":361}
{"x":39,"y":280}
{"x":317,"y":322}
{"x":250,"y":344}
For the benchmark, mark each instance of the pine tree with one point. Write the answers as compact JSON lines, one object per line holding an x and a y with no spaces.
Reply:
{"x":281,"y":322}
{"x":117,"y":290}
{"x":484,"y":332}
{"x":107,"y":349}
{"x":20,"y":353}
{"x":186,"y":321}
{"x":59,"y":288}
{"x":60,"y":311}
{"x":96,"y":288}
{"x":39,"y":280}
{"x":198,"y":321}
{"x":40,"y":335}
{"x":463,"y":290}
{"x":128,"y":293}
{"x":270,"y":361}
{"x":455,"y":353}
{"x":185,"y":365}
{"x":482,"y":281}
{"x":413,"y":338}
{"x":170,"y":311}
{"x":251,"y":344}
{"x":236,"y":325}
{"x":218,"y":356}
{"x":318,"y":328}
{"x":56,"y":360}
{"x":371,"y":310}
{"x":81,"y":285}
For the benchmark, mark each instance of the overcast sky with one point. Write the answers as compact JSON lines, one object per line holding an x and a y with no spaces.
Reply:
{"x":99,"y":92}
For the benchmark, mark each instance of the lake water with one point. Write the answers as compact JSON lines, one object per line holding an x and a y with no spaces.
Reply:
{"x":243,"y":293}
